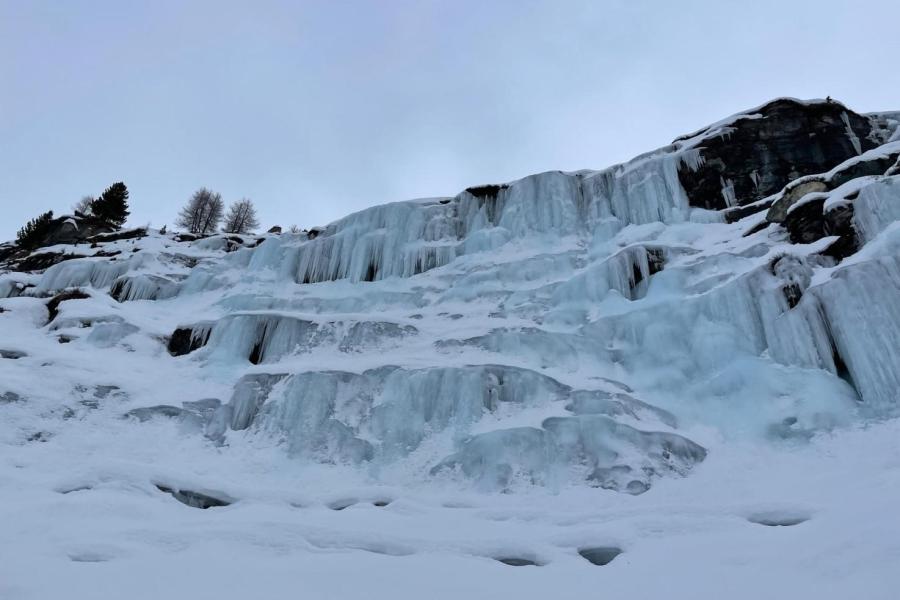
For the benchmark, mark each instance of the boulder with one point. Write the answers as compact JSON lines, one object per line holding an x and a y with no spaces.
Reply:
{"x":809,"y":222}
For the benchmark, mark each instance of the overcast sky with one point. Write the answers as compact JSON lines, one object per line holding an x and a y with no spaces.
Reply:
{"x":318,"y":109}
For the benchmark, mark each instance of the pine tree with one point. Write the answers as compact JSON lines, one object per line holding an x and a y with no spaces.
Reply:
{"x":241,"y":217}
{"x":112,"y":205}
{"x":35,"y":231}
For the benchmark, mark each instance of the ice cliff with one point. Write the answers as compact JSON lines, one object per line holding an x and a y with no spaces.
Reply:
{"x":564,"y":328}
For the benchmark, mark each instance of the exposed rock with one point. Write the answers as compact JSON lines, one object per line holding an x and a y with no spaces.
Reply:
{"x":733,"y":215}
{"x":67,"y":230}
{"x":7,"y":251}
{"x":185,"y":340}
{"x":795,"y":274}
{"x":43,"y":260}
{"x":790,"y":195}
{"x":876,"y":162}
{"x":275,"y":229}
{"x":12,"y":354}
{"x":894,"y":170}
{"x":124,"y":234}
{"x":75,"y":229}
{"x":490,"y":191}
{"x":759,"y":153}
{"x":808,"y":222}
{"x":656,"y":260}
{"x":53,"y":304}
{"x":187,"y":237}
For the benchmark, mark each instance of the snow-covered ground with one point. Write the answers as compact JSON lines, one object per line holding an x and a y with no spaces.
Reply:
{"x":570,"y":365}
{"x":685,"y":538}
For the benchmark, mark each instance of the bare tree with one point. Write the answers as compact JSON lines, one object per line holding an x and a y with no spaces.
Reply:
{"x":241,"y":217}
{"x":295,"y":229}
{"x":203,"y":212}
{"x":85,"y":206}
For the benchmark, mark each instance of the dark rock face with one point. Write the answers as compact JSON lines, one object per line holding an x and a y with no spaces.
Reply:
{"x":70,"y":230}
{"x":43,"y":260}
{"x":490,"y":191}
{"x":876,"y":166}
{"x":75,"y":229}
{"x":809,"y":222}
{"x":757,"y":157}
{"x":733,"y":215}
{"x":795,"y":274}
{"x":185,"y":340}
{"x":792,"y":193}
{"x":656,"y":260}
{"x":894,"y":170}
{"x":489,"y":196}
{"x":7,"y":251}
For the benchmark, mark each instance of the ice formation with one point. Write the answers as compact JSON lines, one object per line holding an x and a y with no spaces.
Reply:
{"x":563,"y":329}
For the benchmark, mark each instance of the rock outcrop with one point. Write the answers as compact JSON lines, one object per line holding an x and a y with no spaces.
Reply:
{"x":757,"y":153}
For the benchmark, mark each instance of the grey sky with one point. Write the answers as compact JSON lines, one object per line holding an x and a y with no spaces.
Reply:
{"x":318,"y":109}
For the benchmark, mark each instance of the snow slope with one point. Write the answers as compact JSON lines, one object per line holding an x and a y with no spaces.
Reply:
{"x":568,"y":362}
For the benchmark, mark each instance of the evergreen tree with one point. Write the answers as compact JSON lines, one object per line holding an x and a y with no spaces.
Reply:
{"x":35,"y":231}
{"x":112,"y":205}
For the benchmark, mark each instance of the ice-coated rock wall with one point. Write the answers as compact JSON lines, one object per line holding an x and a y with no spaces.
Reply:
{"x":563,"y":328}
